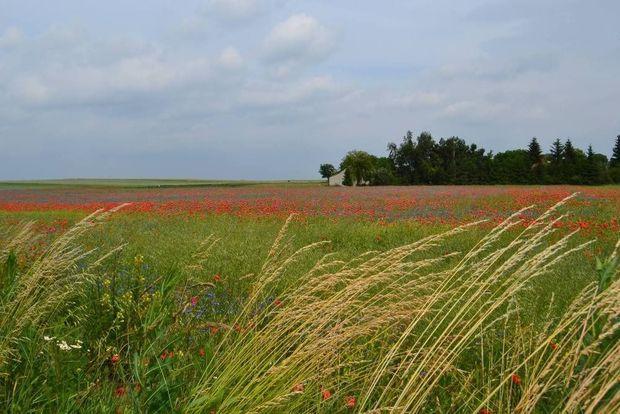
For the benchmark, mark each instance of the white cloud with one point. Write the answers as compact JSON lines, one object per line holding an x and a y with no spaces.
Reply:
{"x":278,"y":94}
{"x":11,"y":37}
{"x":299,"y":40}
{"x":233,"y":10}
{"x":118,"y":81}
{"x":230,"y":59}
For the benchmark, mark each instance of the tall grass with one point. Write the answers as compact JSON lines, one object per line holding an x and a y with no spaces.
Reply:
{"x":416,"y":328}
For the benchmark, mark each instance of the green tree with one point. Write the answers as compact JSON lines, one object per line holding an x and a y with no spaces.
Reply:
{"x":512,"y":167}
{"x":614,"y":163}
{"x":556,"y":156}
{"x":536,"y":161}
{"x":327,"y":170}
{"x":615,"y":158}
{"x":359,"y":164}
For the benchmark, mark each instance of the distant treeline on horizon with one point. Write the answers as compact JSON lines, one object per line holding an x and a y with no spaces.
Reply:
{"x":422,"y":160}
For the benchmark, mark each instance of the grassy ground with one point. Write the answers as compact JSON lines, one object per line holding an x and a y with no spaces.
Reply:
{"x":160,"y":295}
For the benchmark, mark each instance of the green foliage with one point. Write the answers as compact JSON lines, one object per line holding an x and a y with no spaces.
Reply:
{"x":359,"y":165}
{"x":327,"y":170}
{"x":422,"y":160}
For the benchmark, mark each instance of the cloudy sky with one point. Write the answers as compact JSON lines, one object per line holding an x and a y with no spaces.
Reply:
{"x":269,"y":89}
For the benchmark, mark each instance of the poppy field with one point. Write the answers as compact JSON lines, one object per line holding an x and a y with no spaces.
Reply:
{"x":297,"y":297}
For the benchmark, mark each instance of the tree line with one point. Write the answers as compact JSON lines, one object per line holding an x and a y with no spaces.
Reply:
{"x":423,"y":160}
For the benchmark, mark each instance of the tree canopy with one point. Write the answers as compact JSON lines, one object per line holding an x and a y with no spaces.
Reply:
{"x":423,"y":160}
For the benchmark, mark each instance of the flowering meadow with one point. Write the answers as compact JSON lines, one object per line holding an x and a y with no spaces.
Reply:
{"x":301,"y":298}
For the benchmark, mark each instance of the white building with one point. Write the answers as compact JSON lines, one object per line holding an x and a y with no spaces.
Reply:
{"x":336,"y":179}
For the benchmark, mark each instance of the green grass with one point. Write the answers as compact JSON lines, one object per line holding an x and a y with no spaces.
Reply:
{"x":135,"y":305}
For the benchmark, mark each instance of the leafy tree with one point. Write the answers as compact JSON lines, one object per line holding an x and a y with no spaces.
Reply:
{"x":359,"y":165}
{"x":570,"y":167}
{"x":327,"y":170}
{"x":512,"y":167}
{"x":556,"y":156}
{"x":614,"y":163}
{"x":536,"y":160}
{"x":615,"y":158}
{"x":557,"y":152}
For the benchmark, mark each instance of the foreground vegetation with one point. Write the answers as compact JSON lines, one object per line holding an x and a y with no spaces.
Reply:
{"x":136,"y":312}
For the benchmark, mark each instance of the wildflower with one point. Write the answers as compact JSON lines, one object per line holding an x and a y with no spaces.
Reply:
{"x":164,"y":355}
{"x":213,"y":329}
{"x":201,"y":352}
{"x":516,"y":379}
{"x":194,"y":300}
{"x":553,"y":345}
{"x":49,"y":338}
{"x":63,"y":345}
{"x":138,"y":260}
{"x":299,"y":387}
{"x":277,"y":302}
{"x":326,"y":394}
{"x":217,"y":278}
{"x":115,"y":358}
{"x":350,"y":401}
{"x":484,"y":411}
{"x":120,"y":391}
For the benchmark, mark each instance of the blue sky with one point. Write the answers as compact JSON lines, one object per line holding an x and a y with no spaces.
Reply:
{"x":269,"y":89}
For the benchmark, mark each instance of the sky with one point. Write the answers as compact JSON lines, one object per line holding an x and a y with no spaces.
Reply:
{"x":270,"y":89}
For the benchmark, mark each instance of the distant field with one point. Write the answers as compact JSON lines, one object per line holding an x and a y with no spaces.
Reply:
{"x":142,"y":183}
{"x":166,"y":326}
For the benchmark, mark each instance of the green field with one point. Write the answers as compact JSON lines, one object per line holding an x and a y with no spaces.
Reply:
{"x":146,"y":312}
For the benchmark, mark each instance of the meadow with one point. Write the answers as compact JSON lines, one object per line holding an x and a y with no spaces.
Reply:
{"x":295,"y":297}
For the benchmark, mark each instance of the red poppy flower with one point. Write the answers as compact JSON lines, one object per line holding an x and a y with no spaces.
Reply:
{"x":277,"y":302}
{"x":553,"y":345}
{"x":194,"y":300}
{"x":350,"y":401}
{"x":120,"y":391}
{"x":164,"y":355}
{"x":201,"y":352}
{"x":115,"y":358}
{"x":326,"y":394}
{"x":485,"y":411}
{"x":298,"y":387}
{"x":516,"y":379}
{"x":217,"y":278}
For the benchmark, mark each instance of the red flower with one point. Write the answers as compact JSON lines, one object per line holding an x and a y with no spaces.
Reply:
{"x":164,"y":355}
{"x":170,"y":354}
{"x":213,"y":329}
{"x":553,"y":345}
{"x":115,"y":358}
{"x":120,"y":391}
{"x":350,"y":401}
{"x":217,"y":278}
{"x":201,"y":352}
{"x":277,"y":302}
{"x":298,"y":387}
{"x":194,"y":300}
{"x":516,"y":379}
{"x":485,"y":411}
{"x":326,"y":394}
